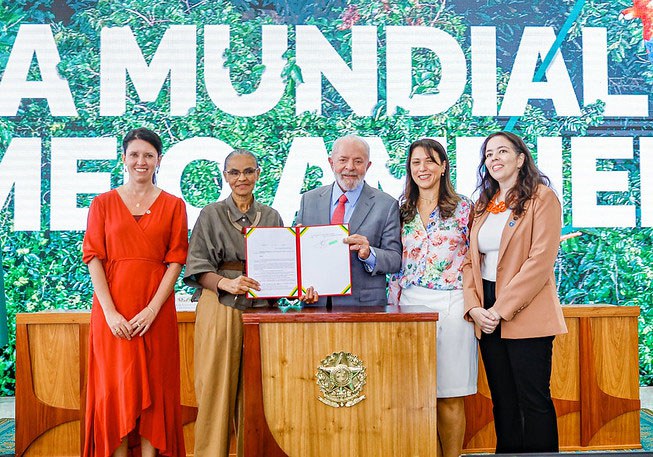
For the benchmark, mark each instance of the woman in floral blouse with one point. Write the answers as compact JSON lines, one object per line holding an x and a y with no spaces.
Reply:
{"x":435,"y":227}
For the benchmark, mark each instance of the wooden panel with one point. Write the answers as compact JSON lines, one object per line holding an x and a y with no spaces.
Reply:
{"x":598,"y":310}
{"x":565,"y":385}
{"x":609,"y":362}
{"x":62,"y":441}
{"x":569,"y":431}
{"x":484,"y":440}
{"x":187,"y":376}
{"x":33,"y":416}
{"x":619,"y":430}
{"x":257,"y":438}
{"x":396,"y":418}
{"x":615,"y":353}
{"x":52,"y":317}
{"x":56,"y":377}
{"x":565,"y":366}
{"x":479,"y":433}
{"x":187,"y":353}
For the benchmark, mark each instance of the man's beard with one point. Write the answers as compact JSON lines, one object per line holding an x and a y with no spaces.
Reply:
{"x":349,"y":183}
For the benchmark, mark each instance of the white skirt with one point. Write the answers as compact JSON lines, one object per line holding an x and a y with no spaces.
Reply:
{"x":457,"y":351}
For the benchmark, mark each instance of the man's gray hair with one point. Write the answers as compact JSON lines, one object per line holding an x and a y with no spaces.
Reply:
{"x":352,"y":137}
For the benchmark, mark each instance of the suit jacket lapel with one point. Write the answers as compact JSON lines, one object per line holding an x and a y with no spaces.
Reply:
{"x":324,"y":206}
{"x":363,"y":207}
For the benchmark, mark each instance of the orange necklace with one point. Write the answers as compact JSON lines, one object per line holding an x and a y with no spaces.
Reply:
{"x":496,"y":208}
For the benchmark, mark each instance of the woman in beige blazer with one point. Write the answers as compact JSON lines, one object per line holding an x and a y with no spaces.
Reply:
{"x":510,"y":292}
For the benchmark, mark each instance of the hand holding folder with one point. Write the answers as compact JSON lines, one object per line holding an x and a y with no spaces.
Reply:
{"x":286,"y":261}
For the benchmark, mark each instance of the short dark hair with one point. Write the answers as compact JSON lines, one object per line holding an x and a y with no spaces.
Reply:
{"x":143,"y":134}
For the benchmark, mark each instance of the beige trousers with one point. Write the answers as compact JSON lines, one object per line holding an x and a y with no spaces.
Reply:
{"x":218,"y":376}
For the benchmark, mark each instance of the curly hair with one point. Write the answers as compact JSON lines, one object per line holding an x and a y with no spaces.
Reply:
{"x":529,"y":178}
{"x":448,"y":199}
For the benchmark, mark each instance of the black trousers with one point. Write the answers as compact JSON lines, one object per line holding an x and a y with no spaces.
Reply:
{"x":519,"y":374}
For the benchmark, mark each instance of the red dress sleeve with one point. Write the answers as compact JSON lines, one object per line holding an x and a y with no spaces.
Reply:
{"x":178,"y":247}
{"x":94,"y":239}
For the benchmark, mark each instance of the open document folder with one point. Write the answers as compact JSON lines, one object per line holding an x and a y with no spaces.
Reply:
{"x":288,"y":260}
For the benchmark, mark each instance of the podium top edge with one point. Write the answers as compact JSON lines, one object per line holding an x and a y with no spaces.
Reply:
{"x":341,"y":314}
{"x":321,"y":314}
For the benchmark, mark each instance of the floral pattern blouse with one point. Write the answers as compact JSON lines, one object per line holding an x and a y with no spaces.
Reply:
{"x":433,"y":255}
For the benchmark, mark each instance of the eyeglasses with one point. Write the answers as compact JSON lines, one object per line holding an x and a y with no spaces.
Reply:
{"x":248,"y":172}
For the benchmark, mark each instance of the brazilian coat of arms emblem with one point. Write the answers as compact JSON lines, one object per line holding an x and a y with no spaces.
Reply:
{"x":341,"y":377}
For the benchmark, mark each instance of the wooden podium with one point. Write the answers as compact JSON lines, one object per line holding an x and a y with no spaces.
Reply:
{"x":594,"y":383}
{"x":286,"y":411}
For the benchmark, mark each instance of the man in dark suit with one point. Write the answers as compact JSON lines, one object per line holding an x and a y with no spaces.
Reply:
{"x":373,"y":218}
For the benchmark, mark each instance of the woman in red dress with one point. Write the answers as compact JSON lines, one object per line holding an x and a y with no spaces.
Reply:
{"x":135,"y":246}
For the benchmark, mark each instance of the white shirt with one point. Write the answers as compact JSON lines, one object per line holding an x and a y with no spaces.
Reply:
{"x":489,"y":240}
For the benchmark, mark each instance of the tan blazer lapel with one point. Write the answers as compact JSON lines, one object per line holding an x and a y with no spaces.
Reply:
{"x":476,"y":255}
{"x":509,"y":230}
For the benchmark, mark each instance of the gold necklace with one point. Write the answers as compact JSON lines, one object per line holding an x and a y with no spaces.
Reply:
{"x":143,"y":198}
{"x":429,"y":200}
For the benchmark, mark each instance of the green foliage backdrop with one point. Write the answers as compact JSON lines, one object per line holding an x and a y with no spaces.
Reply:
{"x":43,"y":270}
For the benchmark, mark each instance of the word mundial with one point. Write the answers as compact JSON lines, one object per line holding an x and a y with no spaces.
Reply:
{"x":173,"y":67}
{"x":176,"y":58}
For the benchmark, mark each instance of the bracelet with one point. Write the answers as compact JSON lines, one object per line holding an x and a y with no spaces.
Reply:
{"x":151,"y":310}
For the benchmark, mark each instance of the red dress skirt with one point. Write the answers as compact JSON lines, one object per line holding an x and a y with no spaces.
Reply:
{"x":133,"y":386}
